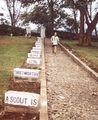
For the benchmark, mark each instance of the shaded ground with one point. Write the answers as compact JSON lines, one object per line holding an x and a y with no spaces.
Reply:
{"x":72,"y":93}
{"x":19,"y":116}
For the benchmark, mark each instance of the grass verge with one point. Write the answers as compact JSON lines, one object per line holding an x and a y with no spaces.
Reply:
{"x":87,"y":54}
{"x":13,"y":52}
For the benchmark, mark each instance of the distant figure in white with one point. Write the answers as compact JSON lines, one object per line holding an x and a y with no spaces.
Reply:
{"x":28,"y":32}
{"x":55,"y":41}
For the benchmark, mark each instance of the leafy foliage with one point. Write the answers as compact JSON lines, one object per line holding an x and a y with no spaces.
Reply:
{"x":48,"y":13}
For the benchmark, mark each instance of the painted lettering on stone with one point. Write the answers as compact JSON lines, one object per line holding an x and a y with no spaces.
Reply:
{"x":33,"y":61}
{"x":36,"y":51}
{"x":33,"y":55}
{"x":26,"y":73}
{"x":22,"y":98}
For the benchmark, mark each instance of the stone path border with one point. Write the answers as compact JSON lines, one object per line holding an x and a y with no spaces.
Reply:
{"x":80,"y":63}
{"x":43,"y":91}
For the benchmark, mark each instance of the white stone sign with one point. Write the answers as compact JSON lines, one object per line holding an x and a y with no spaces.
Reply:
{"x":36,"y":48}
{"x":26,"y":73}
{"x":38,"y":38}
{"x":38,"y":43}
{"x":22,"y":99}
{"x":33,"y":61}
{"x":34,"y":55}
{"x":35,"y":51}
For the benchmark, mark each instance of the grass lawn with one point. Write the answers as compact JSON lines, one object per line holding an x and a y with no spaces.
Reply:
{"x":86,"y":54}
{"x":13,"y":52}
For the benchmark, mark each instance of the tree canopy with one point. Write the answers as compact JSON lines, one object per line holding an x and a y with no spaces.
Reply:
{"x":52,"y":14}
{"x":47,"y":12}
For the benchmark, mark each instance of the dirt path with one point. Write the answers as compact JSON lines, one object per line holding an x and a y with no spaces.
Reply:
{"x":72,"y":93}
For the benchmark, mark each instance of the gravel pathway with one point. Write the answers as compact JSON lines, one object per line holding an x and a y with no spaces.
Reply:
{"x":72,"y":93}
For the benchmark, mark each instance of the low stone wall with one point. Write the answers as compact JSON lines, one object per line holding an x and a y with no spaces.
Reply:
{"x":91,"y":72}
{"x":43,"y":91}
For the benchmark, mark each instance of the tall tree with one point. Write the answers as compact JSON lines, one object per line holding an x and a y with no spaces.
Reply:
{"x":46,"y":12}
{"x":13,"y":7}
{"x":75,"y":22}
{"x":90,"y":14}
{"x":85,"y":34}
{"x":74,"y":26}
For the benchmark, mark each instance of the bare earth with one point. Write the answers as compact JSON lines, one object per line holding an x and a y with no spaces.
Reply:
{"x":72,"y":93}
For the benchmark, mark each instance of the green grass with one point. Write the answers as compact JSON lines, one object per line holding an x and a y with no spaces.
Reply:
{"x":86,"y":54}
{"x":13,"y":52}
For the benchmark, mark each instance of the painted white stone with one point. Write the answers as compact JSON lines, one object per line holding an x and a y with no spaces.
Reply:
{"x":34,"y":55}
{"x":22,"y":99}
{"x":33,"y":61}
{"x":35,"y":51}
{"x":38,"y":44}
{"x":36,"y":48}
{"x":39,"y":39}
{"x":26,"y":73}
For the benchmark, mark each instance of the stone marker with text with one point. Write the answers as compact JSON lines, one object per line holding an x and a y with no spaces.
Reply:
{"x":22,"y":99}
{"x":26,"y":73}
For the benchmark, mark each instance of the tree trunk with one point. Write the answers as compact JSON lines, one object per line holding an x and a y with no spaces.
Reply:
{"x":75,"y":18}
{"x":96,"y":31}
{"x":91,"y":27}
{"x":51,"y":8}
{"x":81,"y":42}
{"x":85,"y":38}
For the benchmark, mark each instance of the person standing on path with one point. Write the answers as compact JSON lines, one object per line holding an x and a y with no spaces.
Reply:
{"x":55,"y":40}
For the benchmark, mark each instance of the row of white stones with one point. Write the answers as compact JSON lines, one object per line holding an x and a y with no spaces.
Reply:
{"x":35,"y":54}
{"x":27,"y":99}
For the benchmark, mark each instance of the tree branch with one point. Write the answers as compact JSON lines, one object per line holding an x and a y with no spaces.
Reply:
{"x":93,"y":23}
